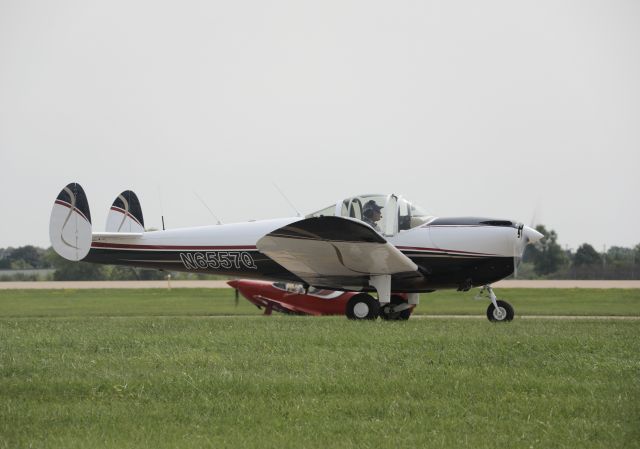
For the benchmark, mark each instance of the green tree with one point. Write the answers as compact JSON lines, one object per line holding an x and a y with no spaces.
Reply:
{"x":23,"y":258}
{"x":67,"y":270}
{"x":5,"y":261}
{"x":124,"y":273}
{"x":547,"y":255}
{"x":620,"y":262}
{"x":586,"y":255}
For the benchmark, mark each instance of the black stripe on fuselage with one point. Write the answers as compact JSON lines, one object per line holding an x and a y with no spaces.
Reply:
{"x":230,"y":262}
{"x":471,"y":221}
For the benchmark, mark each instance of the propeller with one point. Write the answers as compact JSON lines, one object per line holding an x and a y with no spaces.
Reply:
{"x":524,"y":236}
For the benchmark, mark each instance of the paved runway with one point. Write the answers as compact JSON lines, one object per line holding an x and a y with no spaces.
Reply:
{"x":223,"y":284}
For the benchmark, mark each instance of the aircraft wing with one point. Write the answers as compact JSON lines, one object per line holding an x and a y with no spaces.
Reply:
{"x":334,"y":252}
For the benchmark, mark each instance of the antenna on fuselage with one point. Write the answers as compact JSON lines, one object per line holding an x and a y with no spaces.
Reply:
{"x":205,"y":205}
{"x":161,"y":207}
{"x":287,"y":199}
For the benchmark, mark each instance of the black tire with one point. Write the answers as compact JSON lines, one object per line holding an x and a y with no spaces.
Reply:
{"x":385,"y":314}
{"x":362,"y":307}
{"x":499,"y":316}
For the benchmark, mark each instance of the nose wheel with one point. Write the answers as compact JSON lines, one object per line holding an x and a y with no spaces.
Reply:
{"x":498,"y":310}
{"x":503,"y":311}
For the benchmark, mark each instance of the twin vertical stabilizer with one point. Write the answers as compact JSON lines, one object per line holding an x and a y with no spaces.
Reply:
{"x":125,"y":214}
{"x":70,"y":223}
{"x":70,"y":228}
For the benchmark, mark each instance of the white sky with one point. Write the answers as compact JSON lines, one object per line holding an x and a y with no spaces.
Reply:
{"x":504,"y":109}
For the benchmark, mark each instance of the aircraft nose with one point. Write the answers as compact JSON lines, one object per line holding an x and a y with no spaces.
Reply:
{"x":532,"y":235}
{"x":233,"y":284}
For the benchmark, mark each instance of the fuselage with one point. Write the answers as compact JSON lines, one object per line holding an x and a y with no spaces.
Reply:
{"x":450,"y":253}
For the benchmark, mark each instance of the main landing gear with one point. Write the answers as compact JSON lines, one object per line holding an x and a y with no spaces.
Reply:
{"x":498,"y":310}
{"x":365,"y":307}
{"x":396,"y":310}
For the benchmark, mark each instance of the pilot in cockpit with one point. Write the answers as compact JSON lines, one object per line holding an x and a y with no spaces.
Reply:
{"x":371,"y":214}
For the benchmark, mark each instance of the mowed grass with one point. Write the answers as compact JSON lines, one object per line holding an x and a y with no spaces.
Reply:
{"x":123,"y":302}
{"x":303,"y":382}
{"x":207,"y":302}
{"x":534,"y":301}
{"x":157,"y":368}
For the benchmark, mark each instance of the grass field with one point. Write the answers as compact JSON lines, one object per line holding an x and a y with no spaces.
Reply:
{"x":155,"y":369}
{"x":205,"y":302}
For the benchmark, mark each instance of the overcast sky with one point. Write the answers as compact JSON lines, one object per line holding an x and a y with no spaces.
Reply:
{"x":506,"y":109}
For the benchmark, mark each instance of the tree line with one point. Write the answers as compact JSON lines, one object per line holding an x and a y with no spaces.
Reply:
{"x":544,"y":260}
{"x":548,"y":260}
{"x":30,"y":263}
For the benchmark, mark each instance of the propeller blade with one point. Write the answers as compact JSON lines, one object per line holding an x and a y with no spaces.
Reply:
{"x":524,"y":236}
{"x":531,"y":234}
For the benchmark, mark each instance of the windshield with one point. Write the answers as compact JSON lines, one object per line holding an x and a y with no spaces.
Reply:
{"x":410,"y":215}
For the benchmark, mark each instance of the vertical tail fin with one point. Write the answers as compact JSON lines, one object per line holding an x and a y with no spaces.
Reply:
{"x":70,"y":223}
{"x":125,"y":214}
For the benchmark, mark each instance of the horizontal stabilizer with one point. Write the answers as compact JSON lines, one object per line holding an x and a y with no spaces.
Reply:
{"x":334,"y":251}
{"x":115,"y":236}
{"x":70,"y":223}
{"x":125,"y":214}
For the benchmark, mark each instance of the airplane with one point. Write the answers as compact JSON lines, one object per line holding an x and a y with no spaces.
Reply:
{"x":367,"y":243}
{"x":293,"y":298}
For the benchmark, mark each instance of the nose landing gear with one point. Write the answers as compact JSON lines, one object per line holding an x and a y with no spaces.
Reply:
{"x":498,"y":310}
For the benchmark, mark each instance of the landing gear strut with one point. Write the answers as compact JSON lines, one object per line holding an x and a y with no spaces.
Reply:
{"x":498,"y":310}
{"x":396,"y":310}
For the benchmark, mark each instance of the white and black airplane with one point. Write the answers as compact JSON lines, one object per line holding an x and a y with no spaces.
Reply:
{"x":366,"y":243}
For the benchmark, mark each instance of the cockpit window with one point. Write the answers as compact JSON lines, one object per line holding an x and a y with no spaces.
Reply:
{"x":387,"y":214}
{"x":373,"y":211}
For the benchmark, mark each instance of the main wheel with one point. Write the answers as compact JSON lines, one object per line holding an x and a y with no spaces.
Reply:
{"x":362,"y":307}
{"x":504,"y":312}
{"x":387,"y":314}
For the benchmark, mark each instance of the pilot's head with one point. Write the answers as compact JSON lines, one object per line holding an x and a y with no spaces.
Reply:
{"x":371,"y":211}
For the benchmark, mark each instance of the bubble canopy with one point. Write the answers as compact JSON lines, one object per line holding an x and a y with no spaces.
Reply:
{"x":388,"y":214}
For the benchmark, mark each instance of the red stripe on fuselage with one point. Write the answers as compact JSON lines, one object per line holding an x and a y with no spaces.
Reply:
{"x":104,"y":245}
